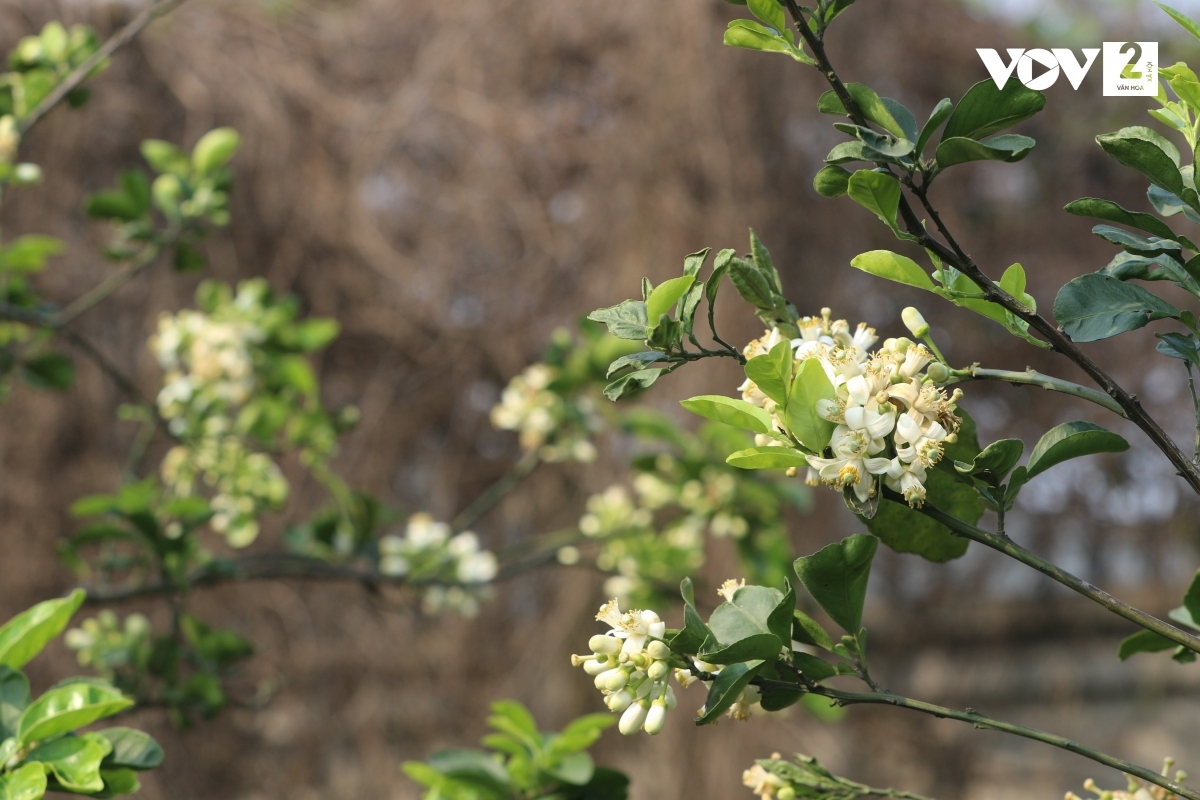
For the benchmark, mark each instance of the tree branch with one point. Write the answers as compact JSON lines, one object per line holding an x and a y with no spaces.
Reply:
{"x":1031,"y":377}
{"x":78,"y":75}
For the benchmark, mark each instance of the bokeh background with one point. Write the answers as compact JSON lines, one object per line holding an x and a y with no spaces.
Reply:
{"x":453,"y":181}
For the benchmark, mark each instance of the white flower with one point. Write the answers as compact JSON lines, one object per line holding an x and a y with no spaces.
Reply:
{"x":907,"y":478}
{"x":479,"y":567}
{"x":852,"y":464}
{"x":914,"y":443}
{"x":634,"y":626}
{"x":762,"y":782}
{"x":729,"y":588}
{"x":424,"y":532}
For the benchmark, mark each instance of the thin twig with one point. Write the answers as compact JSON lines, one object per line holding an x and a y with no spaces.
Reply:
{"x":80,"y":74}
{"x":1031,"y":377}
{"x":496,"y":492}
{"x":106,"y":288}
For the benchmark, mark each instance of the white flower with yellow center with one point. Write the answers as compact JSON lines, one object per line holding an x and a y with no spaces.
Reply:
{"x":915,"y":443}
{"x":907,"y":478}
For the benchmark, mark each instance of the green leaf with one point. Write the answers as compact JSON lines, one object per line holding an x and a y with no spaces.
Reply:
{"x":316,"y":333}
{"x":777,"y":699}
{"x":906,"y":530}
{"x":24,"y":636}
{"x":118,"y":782}
{"x":1187,"y":23}
{"x":753,"y":610}
{"x":836,"y":577}
{"x":726,"y":689}
{"x":832,"y":181}
{"x":941,"y":112}
{"x":606,"y":784}
{"x":474,"y":768}
{"x":752,"y":36}
{"x":750,"y":283}
{"x":807,"y":630}
{"x":893,"y":267}
{"x":632,"y":383}
{"x":848,"y":151}
{"x":767,"y":458}
{"x":581,"y":733}
{"x":638,"y":360}
{"x":667,"y":294}
{"x":770,"y":12}
{"x":74,"y":761}
{"x":1072,"y":440}
{"x":813,"y":668}
{"x":112,"y":205}
{"x":14,"y":699}
{"x":1108,"y":210}
{"x":764,"y":646}
{"x":995,"y":462}
{"x":1127,"y":267}
{"x":25,"y":783}
{"x":1008,"y":147}
{"x":576,"y":768}
{"x":67,"y":707}
{"x":1143,"y":642}
{"x":737,"y":413}
{"x":986,"y":109}
{"x":1135,"y":243}
{"x":131,"y":749}
{"x":810,"y":386}
{"x":1150,"y":154}
{"x":1093,"y":307}
{"x":772,"y":372}
{"x":877,"y":192}
{"x":188,"y":258}
{"x":52,"y":371}
{"x":1177,"y":345}
{"x":626,"y":320}
{"x":882,"y":111}
{"x":214,"y":150}
{"x":27,"y":254}
{"x":763,"y":263}
{"x":165,"y":157}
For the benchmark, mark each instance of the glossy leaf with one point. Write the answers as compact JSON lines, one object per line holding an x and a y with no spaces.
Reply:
{"x":832,"y":181}
{"x":893,"y":267}
{"x":474,"y":768}
{"x":1072,"y":440}
{"x":772,"y":372}
{"x":726,"y":689}
{"x":1093,"y":307}
{"x":14,"y":698}
{"x":810,"y":386}
{"x":884,"y":112}
{"x":132,"y":749}
{"x":941,"y":112}
{"x":1143,"y":642}
{"x":906,"y":530}
{"x":24,"y":783}
{"x":836,"y":577}
{"x":994,"y":463}
{"x":214,"y":150}
{"x":1008,"y":147}
{"x":74,"y":761}
{"x":1135,"y":243}
{"x":626,"y":320}
{"x":763,"y":646}
{"x":1181,"y":346}
{"x":770,"y":12}
{"x":877,"y":192}
{"x":67,"y":707}
{"x":807,"y":630}
{"x":1108,"y":210}
{"x":1150,"y":154}
{"x":737,"y":413}
{"x":813,"y":668}
{"x":666,"y":295}
{"x":1184,"y":20}
{"x":986,"y":109}
{"x":24,"y":636}
{"x":767,"y":458}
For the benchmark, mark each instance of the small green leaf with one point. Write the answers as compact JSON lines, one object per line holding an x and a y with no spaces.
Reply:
{"x":576,"y":768}
{"x":882,"y":111}
{"x":737,"y":413}
{"x":1134,"y":243}
{"x":67,"y":707}
{"x":214,"y":150}
{"x":118,"y":782}
{"x":810,"y":386}
{"x":995,"y":462}
{"x":772,"y":372}
{"x":836,"y":577}
{"x":813,"y":668}
{"x":626,"y":320}
{"x":770,"y":12}
{"x":315,"y":333}
{"x":941,"y":112}
{"x":726,"y":689}
{"x":132,"y":749}
{"x":1150,"y":154}
{"x":893,"y":267}
{"x":1143,"y":642}
{"x":1188,"y":24}
{"x":807,"y":630}
{"x":986,"y":109}
{"x":906,"y":530}
{"x":1072,"y":440}
{"x":877,"y":192}
{"x":1008,"y":147}
{"x":1096,"y":306}
{"x":14,"y":699}
{"x":24,"y":783}
{"x":24,"y":636}
{"x":666,"y":295}
{"x":767,"y":458}
{"x":832,"y":181}
{"x":474,"y":768}
{"x":52,"y":371}
{"x":165,"y":157}
{"x":752,"y":36}
{"x":74,"y":761}
{"x":1177,"y":345}
{"x":637,"y":360}
{"x":28,"y":254}
{"x":632,"y":383}
{"x":765,"y":646}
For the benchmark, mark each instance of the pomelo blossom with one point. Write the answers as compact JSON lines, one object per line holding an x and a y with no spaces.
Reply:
{"x":455,"y":566}
{"x":892,"y":419}
{"x":547,"y":422}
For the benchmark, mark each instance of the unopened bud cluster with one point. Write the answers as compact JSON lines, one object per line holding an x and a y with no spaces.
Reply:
{"x":549,"y":423}
{"x":1134,"y":789}
{"x":893,"y":418}
{"x":428,"y":553}
{"x":108,"y":646}
{"x":631,"y":667}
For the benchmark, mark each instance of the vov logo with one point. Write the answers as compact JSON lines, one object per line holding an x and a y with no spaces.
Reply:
{"x":1130,"y":68}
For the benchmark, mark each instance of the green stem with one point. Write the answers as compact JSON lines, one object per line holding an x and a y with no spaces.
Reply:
{"x":102,"y":292}
{"x":1196,"y":410}
{"x":985,"y":722}
{"x":496,"y":492}
{"x":1010,"y":548}
{"x":1031,"y":377}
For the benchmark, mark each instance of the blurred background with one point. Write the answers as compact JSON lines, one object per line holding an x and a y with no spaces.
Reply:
{"x":452,"y":182}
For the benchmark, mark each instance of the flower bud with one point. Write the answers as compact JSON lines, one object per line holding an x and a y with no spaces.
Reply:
{"x":618,"y":701}
{"x":938,"y":372}
{"x":28,"y":174}
{"x":603,"y":678}
{"x":658,"y":670}
{"x":786,"y":793}
{"x":617,"y":679}
{"x":915,"y":322}
{"x":594,"y":666}
{"x":655,"y":718}
{"x":658,"y":650}
{"x":902,"y":344}
{"x":604,"y":645}
{"x":669,"y":695}
{"x":633,"y":719}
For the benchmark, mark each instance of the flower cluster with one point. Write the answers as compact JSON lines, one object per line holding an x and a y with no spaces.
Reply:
{"x":631,"y":666}
{"x":766,"y":785}
{"x":108,"y":646}
{"x":427,"y":553}
{"x":548,"y":422}
{"x":892,"y":418}
{"x":1134,"y":789}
